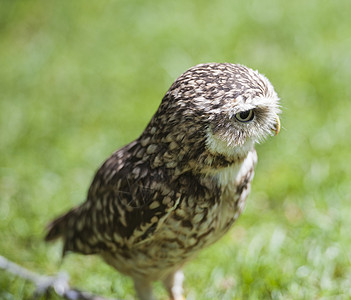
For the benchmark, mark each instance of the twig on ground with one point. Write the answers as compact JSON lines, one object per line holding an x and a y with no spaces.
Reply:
{"x":44,"y":284}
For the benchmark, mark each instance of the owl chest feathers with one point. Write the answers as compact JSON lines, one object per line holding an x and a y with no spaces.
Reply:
{"x":235,"y":185}
{"x":200,"y":221}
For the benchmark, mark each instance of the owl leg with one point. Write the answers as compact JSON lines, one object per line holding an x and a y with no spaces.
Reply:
{"x":143,"y":289}
{"x":174,"y":285}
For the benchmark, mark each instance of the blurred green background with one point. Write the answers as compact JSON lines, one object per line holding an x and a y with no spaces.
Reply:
{"x":79,"y":79}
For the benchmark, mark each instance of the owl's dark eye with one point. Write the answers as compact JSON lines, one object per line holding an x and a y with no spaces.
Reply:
{"x":245,"y":116}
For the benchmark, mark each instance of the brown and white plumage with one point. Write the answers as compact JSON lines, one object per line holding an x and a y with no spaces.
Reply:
{"x":181,"y":185}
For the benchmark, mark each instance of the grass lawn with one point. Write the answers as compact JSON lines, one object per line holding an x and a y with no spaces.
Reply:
{"x":80,"y":79}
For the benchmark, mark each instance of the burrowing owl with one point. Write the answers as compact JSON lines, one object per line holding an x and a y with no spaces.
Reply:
{"x":182,"y":184}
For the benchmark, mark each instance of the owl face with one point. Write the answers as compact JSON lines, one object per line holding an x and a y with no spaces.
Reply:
{"x":217,"y":108}
{"x":246,"y":119}
{"x":237,"y":105}
{"x":242,"y":123}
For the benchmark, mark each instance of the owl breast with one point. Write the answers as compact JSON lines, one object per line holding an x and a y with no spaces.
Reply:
{"x":213,"y":215}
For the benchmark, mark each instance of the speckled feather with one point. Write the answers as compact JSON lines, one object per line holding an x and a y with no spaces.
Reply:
{"x":181,"y":185}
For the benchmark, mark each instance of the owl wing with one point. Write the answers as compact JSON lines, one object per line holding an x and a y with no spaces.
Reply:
{"x":127,"y":202}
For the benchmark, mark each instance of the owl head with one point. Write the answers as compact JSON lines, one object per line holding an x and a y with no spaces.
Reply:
{"x":226,"y":107}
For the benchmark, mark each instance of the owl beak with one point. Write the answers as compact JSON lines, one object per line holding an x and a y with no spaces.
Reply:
{"x":276,"y":127}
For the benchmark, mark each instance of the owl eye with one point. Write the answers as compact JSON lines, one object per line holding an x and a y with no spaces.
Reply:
{"x":245,"y":116}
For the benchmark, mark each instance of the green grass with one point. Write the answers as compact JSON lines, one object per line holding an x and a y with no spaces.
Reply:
{"x":79,"y":79}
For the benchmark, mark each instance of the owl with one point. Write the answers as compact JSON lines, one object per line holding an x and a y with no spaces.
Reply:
{"x":179,"y":187}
